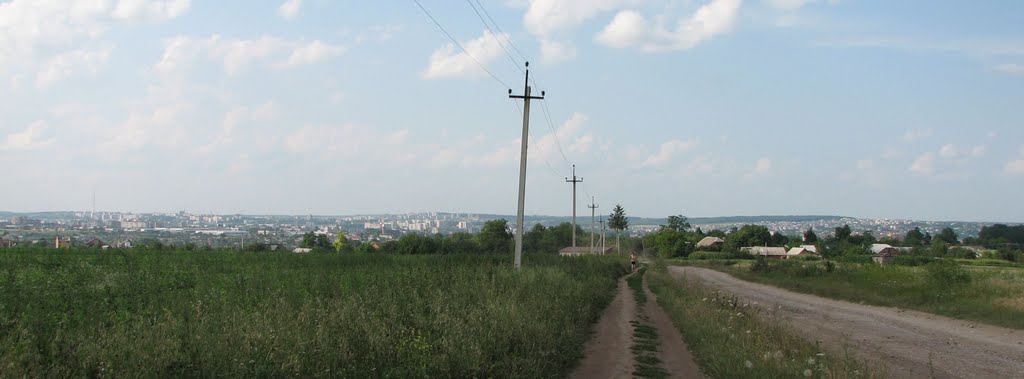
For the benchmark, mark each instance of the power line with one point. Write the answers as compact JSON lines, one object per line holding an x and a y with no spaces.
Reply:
{"x":513,"y":60}
{"x":503,"y":33}
{"x":456,"y":42}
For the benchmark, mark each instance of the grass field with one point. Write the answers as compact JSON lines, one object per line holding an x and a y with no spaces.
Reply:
{"x":137,"y":313}
{"x":730,"y":339}
{"x":993,"y":295}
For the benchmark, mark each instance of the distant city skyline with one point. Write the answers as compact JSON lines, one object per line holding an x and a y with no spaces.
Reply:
{"x":702,"y":108}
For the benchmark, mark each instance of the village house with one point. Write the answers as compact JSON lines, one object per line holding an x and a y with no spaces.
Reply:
{"x":883,"y":253}
{"x":798,"y":251}
{"x":62,"y":242}
{"x":710,"y":242}
{"x":582,"y":250}
{"x":767,"y":252}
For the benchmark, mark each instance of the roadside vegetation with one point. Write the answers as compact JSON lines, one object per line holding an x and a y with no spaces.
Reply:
{"x":139,"y":313}
{"x":732,"y":339}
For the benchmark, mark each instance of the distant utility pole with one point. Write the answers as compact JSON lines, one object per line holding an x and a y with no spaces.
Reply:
{"x":602,"y":233}
{"x":574,"y":180}
{"x":593,"y":207}
{"x":522,"y":161}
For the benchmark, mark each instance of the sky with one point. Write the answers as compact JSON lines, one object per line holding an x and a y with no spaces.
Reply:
{"x":878,"y":109}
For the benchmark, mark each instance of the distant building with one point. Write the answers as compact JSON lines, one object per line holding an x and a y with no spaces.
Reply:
{"x":767,"y":252}
{"x":709,"y":241}
{"x":582,"y":250}
{"x":6,"y":243}
{"x":301,"y":250}
{"x":62,"y":242}
{"x":883,"y":253}
{"x":94,"y":243}
{"x":797,"y":251}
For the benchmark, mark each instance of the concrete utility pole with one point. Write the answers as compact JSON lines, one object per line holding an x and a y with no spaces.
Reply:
{"x":522,"y":161}
{"x":593,"y":207}
{"x":602,"y":233}
{"x":574,"y":181}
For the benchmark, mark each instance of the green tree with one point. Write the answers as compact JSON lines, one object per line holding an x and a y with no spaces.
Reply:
{"x":495,"y":236}
{"x":748,"y":235}
{"x":914,"y":237}
{"x":341,"y":243}
{"x":678,"y":223}
{"x":618,"y":222}
{"x":312,"y":240}
{"x":948,"y":236}
{"x":810,"y":237}
{"x":843,"y":233}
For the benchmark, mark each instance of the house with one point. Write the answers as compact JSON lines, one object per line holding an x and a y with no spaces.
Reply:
{"x":301,"y":250}
{"x":799,"y":251}
{"x":884,"y":253}
{"x":811,"y":248}
{"x":6,"y":243}
{"x":767,"y":252}
{"x":62,"y":242}
{"x":709,"y":241}
{"x":94,"y":243}
{"x":582,"y":250}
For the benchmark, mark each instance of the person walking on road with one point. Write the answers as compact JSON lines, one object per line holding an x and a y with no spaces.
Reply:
{"x":632,"y":261}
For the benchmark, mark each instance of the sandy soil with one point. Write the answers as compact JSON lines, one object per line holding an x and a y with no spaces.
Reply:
{"x":908,"y":344}
{"x":607,"y":354}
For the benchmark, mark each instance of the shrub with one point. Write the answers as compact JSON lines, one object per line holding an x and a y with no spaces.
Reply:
{"x":912,"y":260}
{"x":760,"y":265}
{"x":854,"y":259}
{"x":709,"y":255}
{"x":948,"y":274}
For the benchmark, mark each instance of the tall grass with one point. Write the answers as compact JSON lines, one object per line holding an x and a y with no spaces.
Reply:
{"x":137,"y":313}
{"x":732,"y":339}
{"x":993,"y":295}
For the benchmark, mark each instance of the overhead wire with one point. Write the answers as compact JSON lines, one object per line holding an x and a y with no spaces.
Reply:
{"x":456,"y":42}
{"x":486,"y":25}
{"x":500,"y":31}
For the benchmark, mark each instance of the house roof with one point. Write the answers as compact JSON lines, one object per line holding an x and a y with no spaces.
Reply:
{"x":811,"y":248}
{"x":799,"y":250}
{"x":583,"y":250}
{"x":709,"y":241}
{"x":879,"y":247}
{"x":765,"y":250}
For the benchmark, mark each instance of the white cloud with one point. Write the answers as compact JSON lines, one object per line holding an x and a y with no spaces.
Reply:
{"x":629,"y":28}
{"x":30,"y":26}
{"x":235,"y":117}
{"x":978,"y":151}
{"x":667,"y":151}
{"x":1014,"y":167}
{"x":948,"y":151}
{"x":289,"y":9}
{"x":313,"y":52}
{"x":236,"y":54}
{"x":552,"y":52}
{"x":789,"y":5}
{"x":350,"y":140}
{"x":763,"y":166}
{"x":29,"y":139}
{"x":545,"y":17}
{"x":65,"y":65}
{"x":149,"y":9}
{"x":1010,"y":68}
{"x":448,"y":62}
{"x":924,"y":164}
{"x":865,"y":164}
{"x":916,"y":134}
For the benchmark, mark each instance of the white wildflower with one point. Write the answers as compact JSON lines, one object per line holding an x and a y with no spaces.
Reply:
{"x":749,"y":364}
{"x":810,"y":361}
{"x":807,"y":373}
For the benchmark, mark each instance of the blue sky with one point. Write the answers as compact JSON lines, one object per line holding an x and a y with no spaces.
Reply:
{"x":909,"y":109}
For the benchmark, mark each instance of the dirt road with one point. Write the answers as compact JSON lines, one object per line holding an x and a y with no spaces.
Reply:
{"x":909,"y":344}
{"x":608,"y":354}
